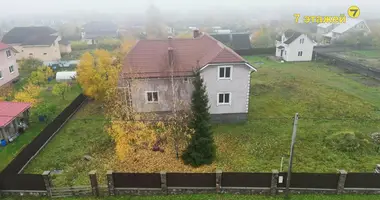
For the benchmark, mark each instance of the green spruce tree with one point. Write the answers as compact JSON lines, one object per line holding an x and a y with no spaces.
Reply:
{"x":201,"y":150}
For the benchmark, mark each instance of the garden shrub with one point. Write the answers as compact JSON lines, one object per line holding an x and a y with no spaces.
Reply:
{"x":376,"y":138}
{"x":346,"y":141}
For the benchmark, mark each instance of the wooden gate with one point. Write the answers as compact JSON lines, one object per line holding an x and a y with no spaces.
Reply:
{"x":71,"y":191}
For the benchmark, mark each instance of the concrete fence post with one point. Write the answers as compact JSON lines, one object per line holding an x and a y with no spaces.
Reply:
{"x":341,"y":181}
{"x":48,"y":183}
{"x":164,"y":186}
{"x":274,"y":181}
{"x":110,"y":183}
{"x":377,"y":169}
{"x":218,"y":180}
{"x":94,"y":183}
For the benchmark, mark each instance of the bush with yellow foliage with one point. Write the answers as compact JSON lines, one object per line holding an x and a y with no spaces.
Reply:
{"x":41,"y":75}
{"x":29,"y":94}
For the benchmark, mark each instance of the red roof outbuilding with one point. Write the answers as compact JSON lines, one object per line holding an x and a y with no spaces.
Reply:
{"x":150,"y":58}
{"x":3,"y":46}
{"x":10,"y":110}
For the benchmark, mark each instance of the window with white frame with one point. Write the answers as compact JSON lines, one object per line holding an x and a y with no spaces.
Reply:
{"x":302,"y":40}
{"x":152,"y":97}
{"x":300,"y":53}
{"x":1,"y":75}
{"x":11,"y":69}
{"x":8,"y":52}
{"x":225,"y":72}
{"x":224,"y":98}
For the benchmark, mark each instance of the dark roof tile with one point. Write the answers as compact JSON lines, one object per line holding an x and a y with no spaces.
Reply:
{"x":19,"y":35}
{"x":149,"y":58}
{"x":292,"y":37}
{"x":40,"y":40}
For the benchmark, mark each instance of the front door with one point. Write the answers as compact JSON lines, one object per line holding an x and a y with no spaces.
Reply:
{"x":282,"y":52}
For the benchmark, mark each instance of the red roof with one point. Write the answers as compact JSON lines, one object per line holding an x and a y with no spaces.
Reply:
{"x":149,"y":58}
{"x":3,"y":46}
{"x":9,"y":111}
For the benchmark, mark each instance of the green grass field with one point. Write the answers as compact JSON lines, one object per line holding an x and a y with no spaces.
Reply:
{"x":328,"y":100}
{"x":220,"y":197}
{"x":8,"y":152}
{"x":368,"y":53}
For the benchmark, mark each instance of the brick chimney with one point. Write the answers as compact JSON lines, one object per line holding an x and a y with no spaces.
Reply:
{"x":170,"y":56}
{"x":196,"y":33}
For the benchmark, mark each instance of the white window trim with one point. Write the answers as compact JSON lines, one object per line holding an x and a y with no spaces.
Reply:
{"x":13,"y":69}
{"x":230,"y":78}
{"x":10,"y":53}
{"x":217,"y":98}
{"x":146,"y":97}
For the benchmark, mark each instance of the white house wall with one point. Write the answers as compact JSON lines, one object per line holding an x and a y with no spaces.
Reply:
{"x":294,"y":47}
{"x":238,"y":87}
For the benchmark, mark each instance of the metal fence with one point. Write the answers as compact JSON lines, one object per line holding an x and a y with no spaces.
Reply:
{"x":348,"y":65}
{"x":10,"y":177}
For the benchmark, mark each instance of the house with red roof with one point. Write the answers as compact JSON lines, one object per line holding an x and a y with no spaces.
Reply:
{"x":8,"y":64}
{"x":157,"y":76}
{"x":14,"y":118}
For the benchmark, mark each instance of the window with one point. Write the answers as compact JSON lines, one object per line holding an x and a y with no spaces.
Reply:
{"x":300,"y":53}
{"x":1,"y":75}
{"x":224,"y":98}
{"x":8,"y":52}
{"x":225,"y":72}
{"x":31,"y":54}
{"x":302,"y":40}
{"x":152,"y":97}
{"x":187,"y":80}
{"x":45,"y":54}
{"x":11,"y":69}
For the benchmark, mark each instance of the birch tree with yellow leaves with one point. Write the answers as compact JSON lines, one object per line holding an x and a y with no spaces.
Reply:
{"x":97,"y":74}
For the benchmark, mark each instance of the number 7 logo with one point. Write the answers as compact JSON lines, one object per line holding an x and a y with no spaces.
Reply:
{"x":353,"y":12}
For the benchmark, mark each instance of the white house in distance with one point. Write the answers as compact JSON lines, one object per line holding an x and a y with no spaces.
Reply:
{"x":328,"y":32}
{"x":294,"y":46}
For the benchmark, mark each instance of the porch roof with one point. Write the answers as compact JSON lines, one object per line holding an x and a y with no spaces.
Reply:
{"x":10,"y":110}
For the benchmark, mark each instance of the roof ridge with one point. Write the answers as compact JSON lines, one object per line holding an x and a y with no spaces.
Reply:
{"x":224,"y":47}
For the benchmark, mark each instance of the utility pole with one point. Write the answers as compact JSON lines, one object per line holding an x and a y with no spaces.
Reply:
{"x":291,"y":155}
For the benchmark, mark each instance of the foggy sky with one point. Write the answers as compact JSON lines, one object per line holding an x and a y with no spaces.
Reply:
{"x":15,"y":7}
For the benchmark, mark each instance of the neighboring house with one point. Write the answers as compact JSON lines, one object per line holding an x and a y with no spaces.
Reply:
{"x":93,"y":31}
{"x":157,"y":74}
{"x":39,"y":42}
{"x":327,"y":32}
{"x":14,"y":119}
{"x":237,"y":41}
{"x":8,"y":65}
{"x":64,"y":46}
{"x":294,"y":46}
{"x":223,"y":31}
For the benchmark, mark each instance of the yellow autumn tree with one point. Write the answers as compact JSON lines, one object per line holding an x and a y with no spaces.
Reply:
{"x":131,"y":136}
{"x":97,"y":74}
{"x":41,"y":75}
{"x":28,"y":94}
{"x":5,"y":92}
